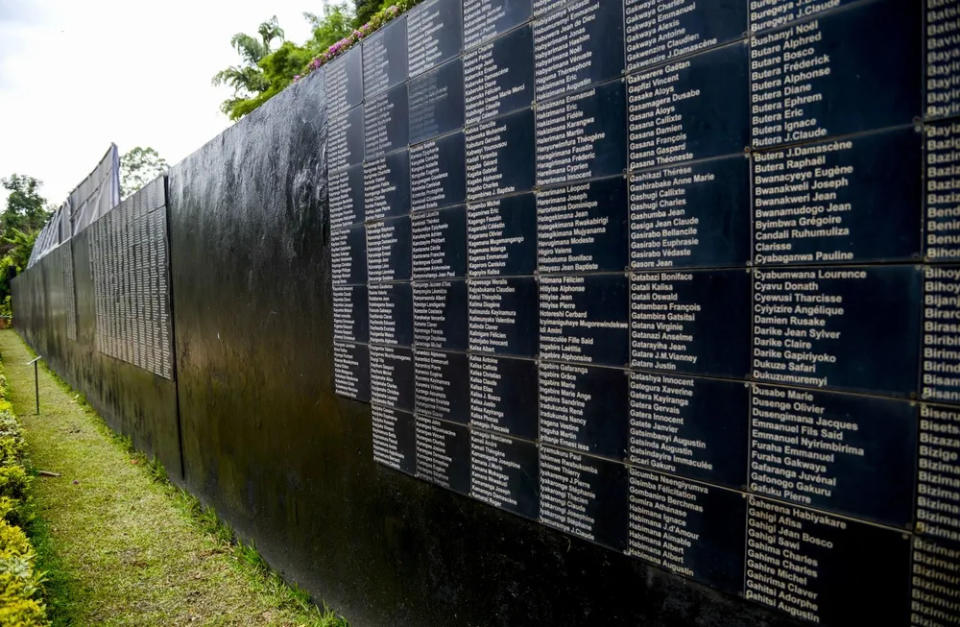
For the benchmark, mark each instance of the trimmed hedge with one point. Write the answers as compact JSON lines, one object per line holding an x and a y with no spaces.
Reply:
{"x":20,"y":584}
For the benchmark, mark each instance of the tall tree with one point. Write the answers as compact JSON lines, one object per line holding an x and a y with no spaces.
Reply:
{"x":138,"y":167}
{"x":26,"y":208}
{"x":247,"y":79}
{"x":20,"y":223}
{"x":274,"y":71}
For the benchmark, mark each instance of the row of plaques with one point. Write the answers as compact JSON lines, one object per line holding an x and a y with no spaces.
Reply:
{"x":888,"y":196}
{"x":811,"y":564}
{"x":802,"y":82}
{"x":885,"y":460}
{"x":890,"y":330}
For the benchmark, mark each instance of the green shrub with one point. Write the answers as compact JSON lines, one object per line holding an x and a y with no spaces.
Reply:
{"x":20,"y":584}
{"x":13,"y":482}
{"x":13,"y":542}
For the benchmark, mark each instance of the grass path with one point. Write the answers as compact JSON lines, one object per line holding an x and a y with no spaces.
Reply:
{"x":120,"y":547}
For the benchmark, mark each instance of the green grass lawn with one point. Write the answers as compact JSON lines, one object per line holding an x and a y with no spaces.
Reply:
{"x":119,"y":544}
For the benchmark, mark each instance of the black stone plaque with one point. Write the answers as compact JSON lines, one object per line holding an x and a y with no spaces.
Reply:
{"x":343,"y":82}
{"x":438,"y":173}
{"x":391,"y":377}
{"x":346,"y":139}
{"x":942,"y":198}
{"x":346,"y":197}
{"x":350,"y":321}
{"x":691,"y":108}
{"x":386,"y":121}
{"x":812,"y":79}
{"x":391,"y":313}
{"x":847,"y":200}
{"x":498,"y":77}
{"x":385,"y":57}
{"x":502,"y":236}
{"x":943,"y":52}
{"x":584,"y":496}
{"x":688,"y":528}
{"x":348,"y":252}
{"x":657,"y":31}
{"x":582,"y":135}
{"x":434,"y":33}
{"x":500,"y":395}
{"x":825,"y":569}
{"x":691,"y":215}
{"x":500,"y":155}
{"x":940,"y":375}
{"x":776,"y":13}
{"x":443,"y":454}
{"x":577,"y":46}
{"x":689,"y":426}
{"x":503,"y":316}
{"x":695,"y":322}
{"x":386,"y":186}
{"x":483,"y":19}
{"x":443,"y":386}
{"x":938,"y":474}
{"x":504,"y":472}
{"x":394,"y":439}
{"x":848,"y":454}
{"x":854,"y":328}
{"x":583,"y":227}
{"x":351,"y":371}
{"x":436,"y":102}
{"x":440,"y":243}
{"x":932,"y":600}
{"x":388,"y":250}
{"x":440,"y":314}
{"x":585,"y":319}
{"x":584,"y":408}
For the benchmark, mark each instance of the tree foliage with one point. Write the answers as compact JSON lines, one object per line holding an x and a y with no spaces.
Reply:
{"x":247,"y":79}
{"x":263,"y":73}
{"x":26,"y":208}
{"x":138,"y":167}
{"x":20,"y":223}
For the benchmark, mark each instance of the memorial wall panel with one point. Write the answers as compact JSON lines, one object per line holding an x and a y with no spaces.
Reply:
{"x":483,"y":19}
{"x":129,"y":266}
{"x":676,"y":278}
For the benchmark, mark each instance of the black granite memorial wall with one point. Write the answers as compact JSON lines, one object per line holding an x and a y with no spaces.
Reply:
{"x":709,"y":236}
{"x":98,"y":310}
{"x":575,"y":311}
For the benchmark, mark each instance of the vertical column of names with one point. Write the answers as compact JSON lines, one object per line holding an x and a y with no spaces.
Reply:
{"x":935,"y":572}
{"x":836,"y":230}
{"x":689,"y":231}
{"x":343,"y":85}
{"x":501,"y":254}
{"x":386,"y":202}
{"x":437,"y":170}
{"x":582,"y":259}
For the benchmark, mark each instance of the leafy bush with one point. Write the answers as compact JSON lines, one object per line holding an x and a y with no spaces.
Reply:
{"x":265,"y":72}
{"x":13,"y":482}
{"x":20,"y":584}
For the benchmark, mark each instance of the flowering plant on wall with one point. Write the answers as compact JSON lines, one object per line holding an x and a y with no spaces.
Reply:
{"x":377,"y":21}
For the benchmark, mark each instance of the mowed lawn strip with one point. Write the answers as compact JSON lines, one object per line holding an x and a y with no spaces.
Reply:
{"x":120,"y":547}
